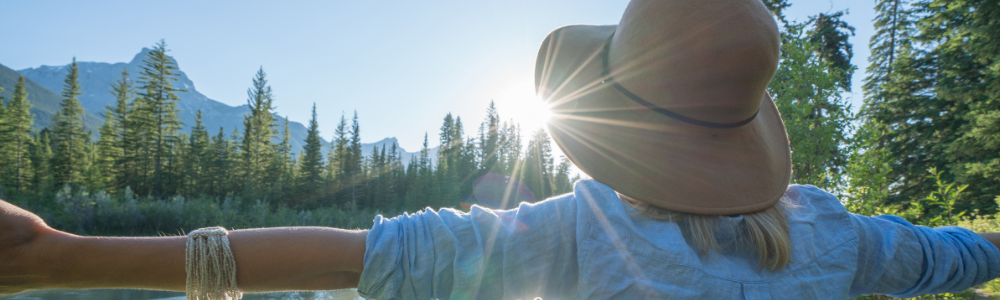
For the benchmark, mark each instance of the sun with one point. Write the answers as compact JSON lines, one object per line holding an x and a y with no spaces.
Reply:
{"x":531,"y":113}
{"x":520,"y":104}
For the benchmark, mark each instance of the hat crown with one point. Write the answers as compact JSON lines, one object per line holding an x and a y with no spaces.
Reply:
{"x":706,"y":59}
{"x":680,"y":68}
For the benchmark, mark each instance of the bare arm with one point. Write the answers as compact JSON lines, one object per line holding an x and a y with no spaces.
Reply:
{"x":34,"y":256}
{"x":993,"y":237}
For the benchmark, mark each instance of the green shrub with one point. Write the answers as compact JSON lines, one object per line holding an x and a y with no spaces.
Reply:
{"x":84,"y":213}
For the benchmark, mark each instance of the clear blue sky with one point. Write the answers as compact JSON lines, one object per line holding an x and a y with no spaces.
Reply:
{"x":401,"y":64}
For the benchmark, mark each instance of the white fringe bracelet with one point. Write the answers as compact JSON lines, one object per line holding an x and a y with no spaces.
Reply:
{"x":210,"y":266}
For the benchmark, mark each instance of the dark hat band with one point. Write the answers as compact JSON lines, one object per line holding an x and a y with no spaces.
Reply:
{"x":606,"y":73}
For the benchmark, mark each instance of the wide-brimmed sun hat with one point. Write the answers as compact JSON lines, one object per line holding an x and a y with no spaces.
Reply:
{"x":670,"y":106}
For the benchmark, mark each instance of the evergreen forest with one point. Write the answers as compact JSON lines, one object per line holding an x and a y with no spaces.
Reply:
{"x":925,"y":143}
{"x":140,"y":165}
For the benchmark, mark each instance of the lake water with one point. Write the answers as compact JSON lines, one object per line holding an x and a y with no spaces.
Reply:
{"x":348,"y":294}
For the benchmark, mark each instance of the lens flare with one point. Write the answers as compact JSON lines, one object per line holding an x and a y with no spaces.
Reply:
{"x":519,"y":104}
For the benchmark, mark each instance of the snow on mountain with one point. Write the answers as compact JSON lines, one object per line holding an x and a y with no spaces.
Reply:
{"x":387,"y":143}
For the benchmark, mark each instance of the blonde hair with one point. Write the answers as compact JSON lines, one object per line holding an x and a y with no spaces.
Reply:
{"x":766,"y":230}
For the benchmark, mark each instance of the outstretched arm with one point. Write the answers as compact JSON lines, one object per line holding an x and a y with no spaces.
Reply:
{"x":903,"y":260}
{"x":35,"y":256}
{"x":992,"y":237}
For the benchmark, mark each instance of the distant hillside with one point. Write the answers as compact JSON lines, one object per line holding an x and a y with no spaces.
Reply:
{"x":45,"y":102}
{"x":96,"y":79}
{"x":95,"y":82}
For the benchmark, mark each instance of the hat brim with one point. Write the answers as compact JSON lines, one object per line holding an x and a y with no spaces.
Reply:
{"x":651,"y":157}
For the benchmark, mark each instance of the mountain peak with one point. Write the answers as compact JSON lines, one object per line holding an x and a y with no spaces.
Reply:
{"x":139,"y":57}
{"x":388,"y":140}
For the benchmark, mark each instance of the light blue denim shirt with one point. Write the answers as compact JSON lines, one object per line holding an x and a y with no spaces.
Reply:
{"x":589,"y":245}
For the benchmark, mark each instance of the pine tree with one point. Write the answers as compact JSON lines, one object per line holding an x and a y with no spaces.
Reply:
{"x":92,"y":179}
{"x":123,"y":135}
{"x":463,"y":159}
{"x":68,"y":135}
{"x":561,"y":183}
{"x":160,"y":105}
{"x":509,"y":149}
{"x":414,"y":192}
{"x":112,"y":151}
{"x":234,"y":153}
{"x":777,"y":8}
{"x":893,"y":29}
{"x":447,"y":148}
{"x":831,"y":34}
{"x":339,"y":156}
{"x":393,"y":178}
{"x":457,"y":138}
{"x":468,"y":166}
{"x":383,"y":179}
{"x":935,"y":96}
{"x":258,"y":130}
{"x":40,"y":151}
{"x":430,"y":189}
{"x":449,"y":153}
{"x":869,"y":170}
{"x":284,"y":166}
{"x":458,"y":158}
{"x":107,"y":152}
{"x":536,"y":172}
{"x":425,"y":160}
{"x":15,"y":129}
{"x":139,"y":140}
{"x":979,"y":147}
{"x":960,"y":49}
{"x":354,"y":165}
{"x":489,"y":139}
{"x":217,"y":170}
{"x":225,"y":155}
{"x":514,"y":148}
{"x":372,"y":179}
{"x":196,"y":158}
{"x":311,"y":164}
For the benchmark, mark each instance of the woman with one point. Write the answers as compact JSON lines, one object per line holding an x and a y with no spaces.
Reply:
{"x":690,"y":199}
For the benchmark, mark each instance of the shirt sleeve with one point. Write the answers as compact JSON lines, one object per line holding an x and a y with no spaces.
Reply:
{"x":903,"y":260}
{"x":483,"y":254}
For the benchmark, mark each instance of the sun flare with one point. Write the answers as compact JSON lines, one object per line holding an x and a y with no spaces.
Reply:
{"x":520,"y":104}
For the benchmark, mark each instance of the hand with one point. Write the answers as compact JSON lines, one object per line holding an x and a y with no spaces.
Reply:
{"x":19,"y":229}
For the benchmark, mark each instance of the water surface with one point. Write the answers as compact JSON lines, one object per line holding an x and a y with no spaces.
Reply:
{"x":108,"y":294}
